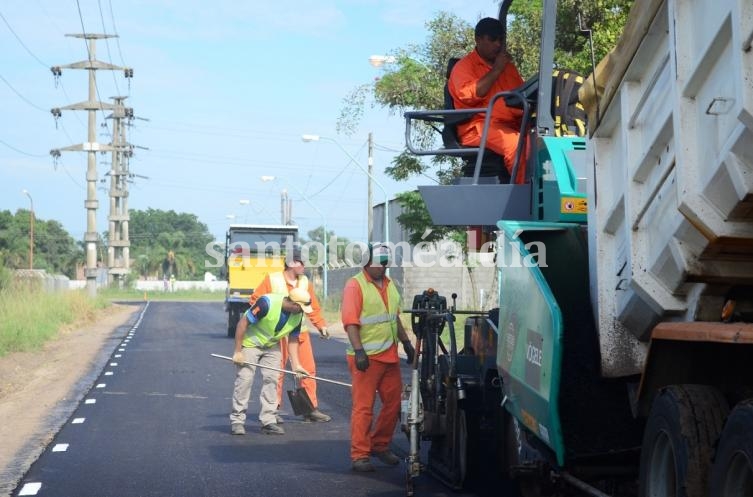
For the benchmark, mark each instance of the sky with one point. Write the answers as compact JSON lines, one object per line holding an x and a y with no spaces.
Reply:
{"x":222,"y":90}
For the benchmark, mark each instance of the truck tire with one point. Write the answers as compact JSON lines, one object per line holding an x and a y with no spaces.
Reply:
{"x":732,"y":473}
{"x":233,"y":316}
{"x":682,"y":427}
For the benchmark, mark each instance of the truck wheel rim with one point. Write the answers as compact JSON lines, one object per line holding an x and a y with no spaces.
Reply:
{"x":739,"y":477}
{"x":661,"y":480}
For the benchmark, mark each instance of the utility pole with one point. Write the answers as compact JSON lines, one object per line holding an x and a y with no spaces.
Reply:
{"x":118,"y":248}
{"x":369,"y":199}
{"x":91,"y":146}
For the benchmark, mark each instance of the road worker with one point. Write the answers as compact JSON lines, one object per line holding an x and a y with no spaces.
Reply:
{"x":292,"y":276}
{"x":257,"y":341}
{"x":370,"y":308}
{"x":487,"y":70}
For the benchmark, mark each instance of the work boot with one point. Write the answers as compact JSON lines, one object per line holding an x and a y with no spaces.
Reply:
{"x":387,"y":457}
{"x":237,"y":429}
{"x":362,"y":466}
{"x":316,"y":416}
{"x":272,"y":429}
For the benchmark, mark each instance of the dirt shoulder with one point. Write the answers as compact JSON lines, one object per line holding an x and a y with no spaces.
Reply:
{"x":39,"y":390}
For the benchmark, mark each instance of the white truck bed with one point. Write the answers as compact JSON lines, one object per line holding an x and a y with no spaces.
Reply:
{"x":671,"y":201}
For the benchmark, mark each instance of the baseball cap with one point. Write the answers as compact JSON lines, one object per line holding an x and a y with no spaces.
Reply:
{"x":302,"y":298}
{"x":380,"y":253}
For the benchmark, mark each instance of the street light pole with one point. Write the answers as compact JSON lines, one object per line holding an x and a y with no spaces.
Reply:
{"x":313,"y":138}
{"x":324,"y":227}
{"x":31,"y":229}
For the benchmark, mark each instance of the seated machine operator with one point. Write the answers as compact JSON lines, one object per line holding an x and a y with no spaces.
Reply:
{"x":475,"y":79}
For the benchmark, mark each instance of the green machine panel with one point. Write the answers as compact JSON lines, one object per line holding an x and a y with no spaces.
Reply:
{"x":562,"y":193}
{"x":530,"y":345}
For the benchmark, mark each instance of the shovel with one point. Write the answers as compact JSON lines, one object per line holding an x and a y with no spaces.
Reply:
{"x":300,"y":400}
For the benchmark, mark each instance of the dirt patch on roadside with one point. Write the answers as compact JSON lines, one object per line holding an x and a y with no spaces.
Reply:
{"x":39,"y":390}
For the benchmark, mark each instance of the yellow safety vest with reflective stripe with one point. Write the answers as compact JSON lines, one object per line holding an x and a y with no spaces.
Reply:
{"x":263,"y":333}
{"x":279,"y":285}
{"x":378,"y":324}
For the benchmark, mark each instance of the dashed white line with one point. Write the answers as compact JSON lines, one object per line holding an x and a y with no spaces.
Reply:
{"x":117,"y":356}
{"x":101,"y":385}
{"x":108,"y":373}
{"x":113,"y":364}
{"x":90,"y":401}
{"x":60,"y":448}
{"x":30,"y":488}
{"x":77,"y":421}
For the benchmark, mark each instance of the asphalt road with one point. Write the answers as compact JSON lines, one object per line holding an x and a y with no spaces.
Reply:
{"x":155,"y":423}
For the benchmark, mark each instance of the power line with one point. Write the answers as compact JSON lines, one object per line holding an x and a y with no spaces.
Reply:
{"x":337,"y":175}
{"x":20,"y":151}
{"x":21,"y":96}
{"x":41,"y":62}
{"x":107,"y":43}
{"x":21,"y":41}
{"x":115,"y":31}
{"x":89,"y":53}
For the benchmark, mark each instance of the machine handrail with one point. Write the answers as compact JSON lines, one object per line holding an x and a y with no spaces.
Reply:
{"x":438,"y":116}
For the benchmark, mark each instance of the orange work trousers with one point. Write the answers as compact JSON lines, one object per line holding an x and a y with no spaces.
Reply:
{"x":384,"y":378}
{"x":306,"y":356}
{"x":503,"y":140}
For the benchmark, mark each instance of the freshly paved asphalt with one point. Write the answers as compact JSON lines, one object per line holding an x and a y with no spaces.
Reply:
{"x":155,"y":423}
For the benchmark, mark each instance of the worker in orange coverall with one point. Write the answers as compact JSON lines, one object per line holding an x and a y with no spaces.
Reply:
{"x":474,"y":80}
{"x":370,"y":308}
{"x":282,"y":282}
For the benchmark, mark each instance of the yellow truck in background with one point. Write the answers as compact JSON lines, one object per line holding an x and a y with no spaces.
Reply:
{"x":251,"y":251}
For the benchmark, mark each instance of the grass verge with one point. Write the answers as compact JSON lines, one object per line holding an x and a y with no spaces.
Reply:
{"x":29,"y":316}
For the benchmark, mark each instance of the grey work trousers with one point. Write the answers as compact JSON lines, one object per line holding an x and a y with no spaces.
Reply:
{"x":244,"y":379}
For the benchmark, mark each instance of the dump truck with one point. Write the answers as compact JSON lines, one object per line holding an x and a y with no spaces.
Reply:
{"x":620,"y":358}
{"x":251,"y":251}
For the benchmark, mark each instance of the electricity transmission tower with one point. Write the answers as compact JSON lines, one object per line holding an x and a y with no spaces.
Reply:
{"x":91,"y":146}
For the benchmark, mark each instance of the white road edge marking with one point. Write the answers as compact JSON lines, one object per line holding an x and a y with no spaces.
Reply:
{"x":30,"y":488}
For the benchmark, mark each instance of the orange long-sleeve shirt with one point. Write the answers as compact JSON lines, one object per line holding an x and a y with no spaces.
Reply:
{"x":462,"y":87}
{"x":315,"y":317}
{"x":504,"y":127}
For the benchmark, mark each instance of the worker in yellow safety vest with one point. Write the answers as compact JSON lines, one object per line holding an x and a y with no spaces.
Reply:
{"x":370,"y":314}
{"x":257,"y":342}
{"x":293,"y":276}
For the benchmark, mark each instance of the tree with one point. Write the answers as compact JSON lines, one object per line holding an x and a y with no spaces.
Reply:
{"x":155,"y":234}
{"x":55,"y":250}
{"x":605,"y":19}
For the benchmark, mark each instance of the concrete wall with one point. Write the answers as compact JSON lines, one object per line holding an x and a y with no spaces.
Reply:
{"x":412,"y":281}
{"x":48,"y":282}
